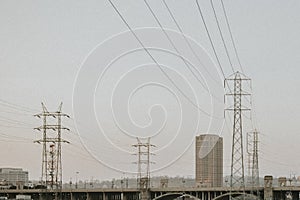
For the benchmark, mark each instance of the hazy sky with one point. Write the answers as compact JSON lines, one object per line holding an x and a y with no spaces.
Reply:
{"x":81,"y":53}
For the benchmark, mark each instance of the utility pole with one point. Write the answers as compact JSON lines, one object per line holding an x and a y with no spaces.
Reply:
{"x":237,"y":179}
{"x":51,"y":141}
{"x":143,"y":178}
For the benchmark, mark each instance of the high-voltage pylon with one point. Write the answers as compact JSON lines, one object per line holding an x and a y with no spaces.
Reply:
{"x":255,"y":169}
{"x":249,"y":148}
{"x":252,"y":150}
{"x":51,"y":141}
{"x":237,"y":179}
{"x":143,"y":163}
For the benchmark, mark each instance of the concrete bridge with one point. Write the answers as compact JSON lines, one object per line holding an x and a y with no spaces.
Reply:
{"x":221,"y":193}
{"x":268,"y":192}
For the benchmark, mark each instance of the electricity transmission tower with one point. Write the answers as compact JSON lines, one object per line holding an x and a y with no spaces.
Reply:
{"x":255,"y":169}
{"x":143,"y":163}
{"x":237,"y":179}
{"x":51,"y":141}
{"x":252,"y":150}
{"x":249,"y":148}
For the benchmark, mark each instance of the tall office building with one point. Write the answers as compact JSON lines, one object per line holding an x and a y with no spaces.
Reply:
{"x":209,"y":160}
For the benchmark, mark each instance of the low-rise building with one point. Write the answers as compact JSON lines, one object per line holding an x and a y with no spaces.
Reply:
{"x":14,"y":176}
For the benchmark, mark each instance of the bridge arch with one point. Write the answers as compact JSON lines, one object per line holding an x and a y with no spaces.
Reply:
{"x":236,"y":194}
{"x":171,"y":196}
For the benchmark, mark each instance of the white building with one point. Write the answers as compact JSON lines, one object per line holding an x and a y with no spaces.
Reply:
{"x":14,"y":176}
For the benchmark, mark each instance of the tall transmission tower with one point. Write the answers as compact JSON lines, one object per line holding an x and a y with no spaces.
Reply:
{"x":237,"y":179}
{"x":255,"y":169}
{"x":143,"y":163}
{"x":249,"y":148}
{"x":252,"y":150}
{"x":51,"y":141}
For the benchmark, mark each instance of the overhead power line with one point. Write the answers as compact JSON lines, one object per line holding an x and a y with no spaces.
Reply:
{"x":231,"y":36}
{"x":9,"y":136}
{"x":254,"y":117}
{"x":16,"y":106}
{"x":13,"y":121}
{"x":172,"y":43}
{"x":210,"y":40}
{"x":177,"y":51}
{"x":21,"y":127}
{"x":221,"y":34}
{"x":15,"y":112}
{"x":186,"y":40}
{"x":212,"y":44}
{"x":154,"y":60}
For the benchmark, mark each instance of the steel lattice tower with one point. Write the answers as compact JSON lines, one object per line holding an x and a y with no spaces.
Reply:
{"x":237,"y":179}
{"x":143,"y":153}
{"x":249,"y":143}
{"x":51,"y":141}
{"x":255,"y":170}
{"x":252,"y":150}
